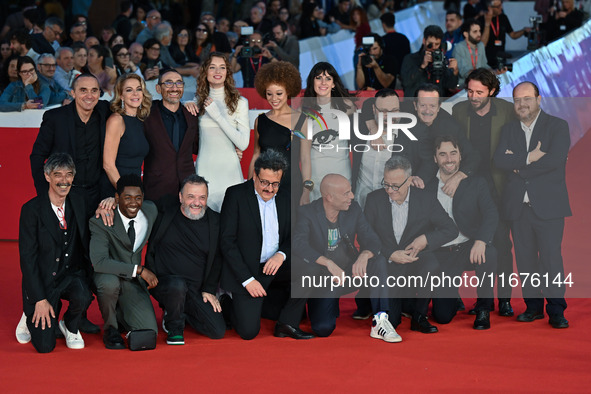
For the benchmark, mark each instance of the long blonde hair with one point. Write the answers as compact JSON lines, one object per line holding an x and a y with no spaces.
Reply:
{"x":232,"y":94}
{"x":117,"y":104}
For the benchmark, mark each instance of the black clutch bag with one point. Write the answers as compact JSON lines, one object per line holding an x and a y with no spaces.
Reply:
{"x":141,"y":340}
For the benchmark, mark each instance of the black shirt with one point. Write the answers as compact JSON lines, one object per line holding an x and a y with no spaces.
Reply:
{"x":169,"y":118}
{"x":388,"y":66}
{"x":480,"y":131}
{"x":496,"y":36}
{"x":184,"y":249}
{"x":88,"y":151}
{"x":249,"y":67}
{"x":396,"y":45}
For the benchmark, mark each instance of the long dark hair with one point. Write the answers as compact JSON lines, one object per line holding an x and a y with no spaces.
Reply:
{"x":27,"y":60}
{"x":338,"y":93}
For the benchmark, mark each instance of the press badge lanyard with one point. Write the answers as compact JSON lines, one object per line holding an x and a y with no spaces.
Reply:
{"x":474,"y":61}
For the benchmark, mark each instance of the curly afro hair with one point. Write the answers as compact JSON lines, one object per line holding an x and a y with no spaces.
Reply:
{"x":280,"y":73}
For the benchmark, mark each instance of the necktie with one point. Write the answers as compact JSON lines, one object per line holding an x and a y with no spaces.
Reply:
{"x":131,"y":233}
{"x":62,"y":219}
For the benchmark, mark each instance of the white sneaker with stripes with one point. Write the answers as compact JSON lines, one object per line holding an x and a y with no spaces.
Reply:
{"x":381,"y":328}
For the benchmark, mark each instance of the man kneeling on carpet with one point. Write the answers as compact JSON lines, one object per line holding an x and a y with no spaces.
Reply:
{"x":323,"y":248}
{"x":53,"y":247}
{"x":116,"y":252}
{"x":184,"y":253}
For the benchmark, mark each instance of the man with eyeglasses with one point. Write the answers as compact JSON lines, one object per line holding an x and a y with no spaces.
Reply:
{"x":411,"y":224}
{"x":533,"y":152}
{"x":77,"y":34}
{"x":172,"y":133}
{"x":49,"y":39}
{"x":220,"y":40}
{"x":250,"y":58}
{"x":256,"y":243}
{"x":46,"y":64}
{"x":153,"y":19}
{"x":472,"y":209}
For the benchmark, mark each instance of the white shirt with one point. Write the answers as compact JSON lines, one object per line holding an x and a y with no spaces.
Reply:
{"x":399,"y":216}
{"x":447,"y":204}
{"x":528,"y":133}
{"x":140,"y":225}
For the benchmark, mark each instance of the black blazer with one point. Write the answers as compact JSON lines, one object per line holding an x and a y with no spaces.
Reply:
{"x":164,"y":167}
{"x":168,"y":206}
{"x":543,"y":180}
{"x":241,"y":236}
{"x":310,"y":237}
{"x":57,"y":134}
{"x":425,"y":216}
{"x":40,"y":246}
{"x":474,"y":211}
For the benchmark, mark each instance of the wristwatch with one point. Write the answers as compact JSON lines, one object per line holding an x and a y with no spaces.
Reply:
{"x":309,"y":185}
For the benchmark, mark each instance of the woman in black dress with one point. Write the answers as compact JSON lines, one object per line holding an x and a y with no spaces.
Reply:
{"x":278,"y":129}
{"x":125,"y":142}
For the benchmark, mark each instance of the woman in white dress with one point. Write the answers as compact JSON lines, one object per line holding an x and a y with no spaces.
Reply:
{"x":326,"y":152}
{"x":223,"y":127}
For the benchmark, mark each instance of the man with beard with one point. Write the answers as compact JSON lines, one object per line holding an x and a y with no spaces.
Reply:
{"x":172,"y":133}
{"x":471,"y":53}
{"x":432,"y":122}
{"x":183,"y":252}
{"x":533,"y":151}
{"x":483,"y":117}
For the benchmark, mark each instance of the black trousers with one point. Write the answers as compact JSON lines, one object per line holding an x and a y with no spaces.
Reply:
{"x":538,"y":251}
{"x":183,"y":302}
{"x":245,"y":311}
{"x":453,"y":262}
{"x":426,"y":265}
{"x":503,"y":245}
{"x":72,"y":288}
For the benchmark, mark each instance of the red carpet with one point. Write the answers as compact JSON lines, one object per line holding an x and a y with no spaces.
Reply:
{"x":511,"y":356}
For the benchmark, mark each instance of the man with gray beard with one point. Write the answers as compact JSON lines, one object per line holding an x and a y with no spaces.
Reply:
{"x":183,"y":252}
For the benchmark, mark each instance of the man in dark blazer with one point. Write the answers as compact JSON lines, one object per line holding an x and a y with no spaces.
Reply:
{"x":482,"y":117}
{"x":116,"y":254}
{"x":324,"y":248}
{"x":183,"y":252}
{"x":411,"y":224}
{"x":474,"y":212}
{"x":79,"y":130}
{"x":533,"y":151}
{"x":256,"y":245}
{"x":53,"y":247}
{"x":172,"y":133}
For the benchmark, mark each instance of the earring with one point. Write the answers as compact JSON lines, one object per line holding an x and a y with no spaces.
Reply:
{"x":122,"y":105}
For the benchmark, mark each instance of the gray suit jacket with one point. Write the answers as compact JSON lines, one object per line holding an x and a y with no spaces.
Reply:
{"x":110,"y":249}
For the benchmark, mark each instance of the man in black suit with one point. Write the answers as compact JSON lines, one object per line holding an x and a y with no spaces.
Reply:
{"x":482,"y":117}
{"x":77,"y":129}
{"x":474,"y":212}
{"x":122,"y":282}
{"x":323,"y":244}
{"x":256,"y":245}
{"x":411,"y":224}
{"x":533,"y":151}
{"x":53,"y":247}
{"x":183,"y":253}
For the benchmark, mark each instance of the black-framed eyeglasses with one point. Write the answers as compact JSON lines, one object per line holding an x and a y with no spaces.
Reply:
{"x":170,"y":84}
{"x":56,"y":32}
{"x":200,"y":31}
{"x":123,"y":54}
{"x":265,"y":183}
{"x":394,"y":187}
{"x":30,"y":71}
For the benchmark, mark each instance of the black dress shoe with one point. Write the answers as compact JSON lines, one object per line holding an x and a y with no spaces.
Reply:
{"x":361,"y":315}
{"x":88,"y":327}
{"x":482,"y":321}
{"x":474,"y":311}
{"x":529,"y":316}
{"x":422,"y":324}
{"x":505,"y":308}
{"x":112,"y":339}
{"x":226,"y":304}
{"x":283,"y":330}
{"x":460,"y":305}
{"x":558,"y":322}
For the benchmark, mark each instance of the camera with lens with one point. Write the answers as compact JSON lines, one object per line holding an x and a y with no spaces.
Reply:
{"x":367,"y":43}
{"x":536,"y":36}
{"x":247,"y":50}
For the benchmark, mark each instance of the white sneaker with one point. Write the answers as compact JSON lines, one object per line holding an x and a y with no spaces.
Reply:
{"x":73,"y":341}
{"x":22,"y":331}
{"x":381,"y":328}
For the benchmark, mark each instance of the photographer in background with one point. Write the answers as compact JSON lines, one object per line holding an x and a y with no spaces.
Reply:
{"x":250,"y":57}
{"x":375,"y":70}
{"x":429,"y":65}
{"x":284,"y":47}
